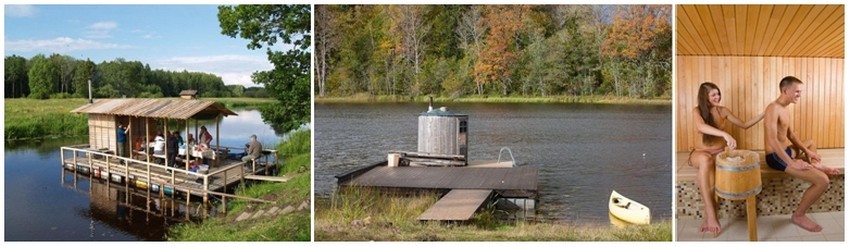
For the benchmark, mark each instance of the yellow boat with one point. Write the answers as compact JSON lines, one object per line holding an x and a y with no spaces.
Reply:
{"x":628,"y":210}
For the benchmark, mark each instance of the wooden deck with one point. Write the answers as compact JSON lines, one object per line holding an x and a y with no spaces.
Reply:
{"x":508,"y":182}
{"x":457,"y":205}
{"x":143,"y":175}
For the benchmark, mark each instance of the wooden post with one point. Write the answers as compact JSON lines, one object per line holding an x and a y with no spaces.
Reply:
{"x":752,"y":227}
{"x":217,"y":139}
{"x":206,"y":188}
{"x":188,"y":149}
{"x":147,"y":140}
{"x":128,"y":143}
{"x":188,"y":203}
{"x":165,"y":126}
{"x":224,"y":198}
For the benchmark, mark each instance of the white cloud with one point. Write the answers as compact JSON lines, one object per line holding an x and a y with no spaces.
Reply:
{"x":233,"y":69}
{"x":59,"y":45}
{"x":20,"y":10}
{"x":100,"y":30}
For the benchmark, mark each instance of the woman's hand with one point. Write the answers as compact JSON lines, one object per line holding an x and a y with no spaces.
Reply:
{"x":730,"y":142}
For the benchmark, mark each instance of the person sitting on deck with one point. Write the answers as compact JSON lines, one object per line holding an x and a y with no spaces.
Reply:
{"x":205,"y":136}
{"x":159,"y":144}
{"x":190,"y":140}
{"x":158,"y":147}
{"x":254,"y":151}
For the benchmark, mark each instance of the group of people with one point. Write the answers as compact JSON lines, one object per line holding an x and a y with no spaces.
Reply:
{"x":159,"y":145}
{"x":804,"y":162}
{"x":171,"y":147}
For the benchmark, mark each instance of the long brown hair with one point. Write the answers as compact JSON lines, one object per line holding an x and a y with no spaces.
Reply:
{"x":705,"y":106}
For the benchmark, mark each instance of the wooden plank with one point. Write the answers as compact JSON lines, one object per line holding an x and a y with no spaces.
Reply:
{"x":268,"y":178}
{"x":457,"y":205}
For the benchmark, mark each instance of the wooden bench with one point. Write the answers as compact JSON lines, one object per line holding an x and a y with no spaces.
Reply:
{"x":833,"y":157}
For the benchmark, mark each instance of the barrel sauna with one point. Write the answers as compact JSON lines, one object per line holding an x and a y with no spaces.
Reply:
{"x":443,"y":132}
{"x":737,"y":174}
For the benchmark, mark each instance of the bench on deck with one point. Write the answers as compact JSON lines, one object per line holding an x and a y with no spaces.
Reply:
{"x":833,"y":157}
{"x":780,"y":194}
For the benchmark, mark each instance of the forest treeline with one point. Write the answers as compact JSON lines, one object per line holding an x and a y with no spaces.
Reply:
{"x":493,"y":50}
{"x":60,"y":76}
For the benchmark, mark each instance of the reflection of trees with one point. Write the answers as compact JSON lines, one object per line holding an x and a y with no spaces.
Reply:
{"x":45,"y":148}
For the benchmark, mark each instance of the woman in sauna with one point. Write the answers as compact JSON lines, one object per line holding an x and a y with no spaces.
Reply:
{"x":710,"y":119}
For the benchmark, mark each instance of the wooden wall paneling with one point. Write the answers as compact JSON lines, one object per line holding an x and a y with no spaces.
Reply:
{"x":749,"y":84}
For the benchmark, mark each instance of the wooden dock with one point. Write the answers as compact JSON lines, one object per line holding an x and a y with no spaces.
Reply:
{"x":518,"y":182}
{"x":144,"y":175}
{"x":457,"y":205}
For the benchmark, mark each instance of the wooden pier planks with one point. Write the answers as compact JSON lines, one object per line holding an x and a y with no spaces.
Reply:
{"x":520,"y":178}
{"x":457,"y":205}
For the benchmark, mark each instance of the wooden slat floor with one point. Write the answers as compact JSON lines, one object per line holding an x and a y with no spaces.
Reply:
{"x":457,"y":205}
{"x":519,"y":178}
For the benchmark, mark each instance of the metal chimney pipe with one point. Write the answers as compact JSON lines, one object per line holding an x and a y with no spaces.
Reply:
{"x":90,"y":99}
{"x":430,"y":103}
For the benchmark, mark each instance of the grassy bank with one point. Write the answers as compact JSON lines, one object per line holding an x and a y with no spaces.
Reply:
{"x":361,"y":98}
{"x":30,"y":118}
{"x":294,"y":226}
{"x":365,"y":215}
{"x":50,"y":118}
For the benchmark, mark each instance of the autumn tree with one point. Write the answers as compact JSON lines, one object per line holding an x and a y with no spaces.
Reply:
{"x":471,"y":30}
{"x":326,"y":41}
{"x":410,"y":29}
{"x":499,"y":52}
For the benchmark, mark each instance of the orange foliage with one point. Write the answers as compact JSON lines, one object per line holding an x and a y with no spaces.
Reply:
{"x":634,"y":28}
{"x":505,"y":21}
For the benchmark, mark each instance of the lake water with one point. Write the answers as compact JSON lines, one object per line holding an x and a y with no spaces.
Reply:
{"x":44,"y":202}
{"x":583,"y":151}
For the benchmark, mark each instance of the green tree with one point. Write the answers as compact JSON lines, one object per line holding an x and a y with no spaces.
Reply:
{"x":43,"y":76}
{"x":16,"y":76}
{"x":82,"y":74}
{"x":289,"y":81}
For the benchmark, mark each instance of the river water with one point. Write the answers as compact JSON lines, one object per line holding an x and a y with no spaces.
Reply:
{"x":44,"y":202}
{"x":583,"y":151}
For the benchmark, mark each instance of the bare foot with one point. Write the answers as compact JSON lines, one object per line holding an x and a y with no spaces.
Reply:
{"x":711,"y":226}
{"x":804,"y":222}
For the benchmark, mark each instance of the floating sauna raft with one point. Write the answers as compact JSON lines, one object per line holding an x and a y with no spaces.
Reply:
{"x":155,"y":177}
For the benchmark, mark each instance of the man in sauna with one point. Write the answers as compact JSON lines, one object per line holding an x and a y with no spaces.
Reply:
{"x":805,"y":162}
{"x":710,"y":121}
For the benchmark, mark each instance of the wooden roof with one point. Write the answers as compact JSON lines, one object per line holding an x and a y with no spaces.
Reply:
{"x":157,"y":108}
{"x":760,"y":30}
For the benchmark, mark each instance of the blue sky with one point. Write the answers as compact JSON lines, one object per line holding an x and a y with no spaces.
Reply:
{"x":170,"y":37}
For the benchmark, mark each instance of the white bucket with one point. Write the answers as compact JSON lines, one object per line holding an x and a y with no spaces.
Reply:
{"x":392,"y":160}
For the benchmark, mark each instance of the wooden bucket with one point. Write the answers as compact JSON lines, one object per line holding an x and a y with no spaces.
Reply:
{"x":737,"y":179}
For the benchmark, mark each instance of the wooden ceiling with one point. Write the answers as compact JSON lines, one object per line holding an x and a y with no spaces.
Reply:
{"x":760,"y":30}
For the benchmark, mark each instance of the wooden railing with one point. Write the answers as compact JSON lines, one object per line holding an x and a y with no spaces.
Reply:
{"x":124,"y":165}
